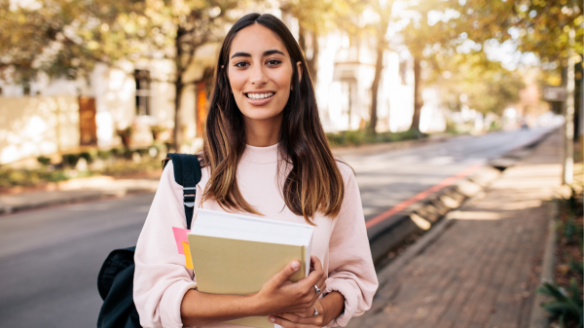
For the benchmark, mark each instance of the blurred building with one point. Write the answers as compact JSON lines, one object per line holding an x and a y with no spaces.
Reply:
{"x":58,"y":115}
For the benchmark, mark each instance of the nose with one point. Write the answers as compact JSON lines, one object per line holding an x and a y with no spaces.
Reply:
{"x":258,"y":77}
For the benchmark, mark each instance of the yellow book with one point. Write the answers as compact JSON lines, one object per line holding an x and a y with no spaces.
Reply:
{"x":236,"y":254}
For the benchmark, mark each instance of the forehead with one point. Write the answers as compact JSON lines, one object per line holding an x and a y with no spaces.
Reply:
{"x":255,"y":40}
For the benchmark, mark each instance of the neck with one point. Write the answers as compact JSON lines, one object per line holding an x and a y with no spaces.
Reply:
{"x":263,"y":133}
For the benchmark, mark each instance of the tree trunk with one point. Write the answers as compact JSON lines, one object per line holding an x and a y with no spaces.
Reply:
{"x":302,"y":38}
{"x":311,"y":61}
{"x":418,"y":102}
{"x":178,"y":87}
{"x":568,"y":113}
{"x":375,"y":89}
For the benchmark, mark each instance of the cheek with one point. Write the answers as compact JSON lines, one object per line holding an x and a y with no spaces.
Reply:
{"x":284,"y":80}
{"x":236,"y":82}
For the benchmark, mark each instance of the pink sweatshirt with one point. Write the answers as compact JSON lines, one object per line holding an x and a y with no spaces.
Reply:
{"x":161,"y":278}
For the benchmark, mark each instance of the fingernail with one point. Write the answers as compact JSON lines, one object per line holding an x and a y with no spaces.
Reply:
{"x":272,"y":319}
{"x":295,"y":265}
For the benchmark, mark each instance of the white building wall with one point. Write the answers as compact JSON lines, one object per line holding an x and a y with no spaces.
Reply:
{"x":432,"y":115}
{"x":34,"y":126}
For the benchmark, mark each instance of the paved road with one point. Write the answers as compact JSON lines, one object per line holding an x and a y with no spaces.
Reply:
{"x":49,"y":258}
{"x":386,"y":179}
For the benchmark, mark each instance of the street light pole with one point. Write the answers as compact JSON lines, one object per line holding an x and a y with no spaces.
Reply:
{"x":568,"y":109}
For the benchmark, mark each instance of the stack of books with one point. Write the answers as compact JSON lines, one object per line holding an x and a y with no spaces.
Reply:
{"x":237,"y":254}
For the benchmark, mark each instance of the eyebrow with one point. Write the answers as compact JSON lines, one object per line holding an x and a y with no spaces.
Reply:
{"x":266,"y":53}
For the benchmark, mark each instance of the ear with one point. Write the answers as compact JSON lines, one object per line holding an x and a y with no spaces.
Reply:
{"x":299,"y":67}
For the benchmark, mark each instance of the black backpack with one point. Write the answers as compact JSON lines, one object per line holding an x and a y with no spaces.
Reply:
{"x":115,"y":280}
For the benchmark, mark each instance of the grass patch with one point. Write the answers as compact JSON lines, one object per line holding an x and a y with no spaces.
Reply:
{"x":361,"y":137}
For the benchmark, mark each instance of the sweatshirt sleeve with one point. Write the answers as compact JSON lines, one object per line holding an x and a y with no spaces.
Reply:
{"x":161,"y":278}
{"x":351,"y":270}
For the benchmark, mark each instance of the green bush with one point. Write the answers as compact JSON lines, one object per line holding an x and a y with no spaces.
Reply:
{"x":359,"y":137}
{"x":123,"y":165}
{"x":44,"y":160}
{"x":71,"y":159}
{"x":90,"y":155}
{"x":28,"y":178}
{"x":104,"y":154}
{"x":566,"y":305}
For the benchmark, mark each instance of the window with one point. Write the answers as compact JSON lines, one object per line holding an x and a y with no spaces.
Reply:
{"x":143,"y":92}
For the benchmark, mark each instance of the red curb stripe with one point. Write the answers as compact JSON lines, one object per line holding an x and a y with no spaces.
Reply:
{"x":406,"y":203}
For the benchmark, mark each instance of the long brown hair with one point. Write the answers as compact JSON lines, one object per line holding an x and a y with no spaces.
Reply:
{"x":314,"y":182}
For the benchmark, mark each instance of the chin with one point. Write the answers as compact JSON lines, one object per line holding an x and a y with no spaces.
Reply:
{"x":260,"y":115}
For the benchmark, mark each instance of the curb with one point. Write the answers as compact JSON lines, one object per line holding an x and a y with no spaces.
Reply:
{"x":423,"y":216}
{"x":116,"y":188}
{"x":539,"y":316}
{"x":428,"y":213}
{"x":8,"y":209}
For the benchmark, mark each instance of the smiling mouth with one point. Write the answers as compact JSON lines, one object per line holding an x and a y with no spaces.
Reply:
{"x":258,"y":96}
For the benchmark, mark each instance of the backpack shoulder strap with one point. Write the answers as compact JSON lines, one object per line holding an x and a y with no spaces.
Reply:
{"x":187,"y":173}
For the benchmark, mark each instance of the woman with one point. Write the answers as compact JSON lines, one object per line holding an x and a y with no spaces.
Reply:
{"x":266,"y":155}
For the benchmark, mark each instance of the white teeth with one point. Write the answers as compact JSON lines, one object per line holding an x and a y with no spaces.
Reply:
{"x":259,"y":95}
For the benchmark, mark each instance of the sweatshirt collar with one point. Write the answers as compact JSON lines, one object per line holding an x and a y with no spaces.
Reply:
{"x":260,"y":155}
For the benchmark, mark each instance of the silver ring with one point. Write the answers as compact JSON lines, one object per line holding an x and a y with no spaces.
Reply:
{"x":316,"y":289}
{"x":315,"y":311}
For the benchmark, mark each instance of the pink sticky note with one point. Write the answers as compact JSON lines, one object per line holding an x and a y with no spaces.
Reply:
{"x":180,"y":235}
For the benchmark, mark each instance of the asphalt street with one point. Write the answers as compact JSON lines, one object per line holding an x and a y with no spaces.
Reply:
{"x":49,"y":258}
{"x":388,"y":178}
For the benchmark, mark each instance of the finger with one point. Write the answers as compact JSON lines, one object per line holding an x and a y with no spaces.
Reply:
{"x":290,"y":324}
{"x":281,"y":277}
{"x":322,"y":284}
{"x":302,"y":312}
{"x":306,"y":320}
{"x":315,"y":275}
{"x":315,"y":262}
{"x":313,"y":293}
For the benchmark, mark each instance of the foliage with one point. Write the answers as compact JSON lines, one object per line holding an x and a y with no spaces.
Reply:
{"x":538,"y":26}
{"x":381,"y":13}
{"x":488,"y":87}
{"x":359,"y":137}
{"x":67,"y":37}
{"x":29,"y":178}
{"x":114,"y":162}
{"x":470,"y":27}
{"x":317,"y":18}
{"x":428,"y":40}
{"x":566,"y":305}
{"x":44,"y":160}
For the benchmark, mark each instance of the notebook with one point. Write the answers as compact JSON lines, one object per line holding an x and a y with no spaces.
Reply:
{"x":237,"y":254}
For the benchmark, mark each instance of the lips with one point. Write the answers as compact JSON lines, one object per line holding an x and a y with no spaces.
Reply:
{"x":259,"y":98}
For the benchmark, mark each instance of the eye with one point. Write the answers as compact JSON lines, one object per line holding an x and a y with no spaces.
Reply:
{"x":273,"y":62}
{"x":241,"y":64}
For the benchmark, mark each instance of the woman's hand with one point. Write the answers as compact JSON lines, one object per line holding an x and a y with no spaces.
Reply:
{"x":329,"y":307}
{"x":279,"y":295}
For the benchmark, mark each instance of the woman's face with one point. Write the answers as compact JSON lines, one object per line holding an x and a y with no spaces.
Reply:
{"x":260,"y":72}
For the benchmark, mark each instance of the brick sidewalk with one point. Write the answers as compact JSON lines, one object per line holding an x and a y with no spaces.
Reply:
{"x":483,"y":270}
